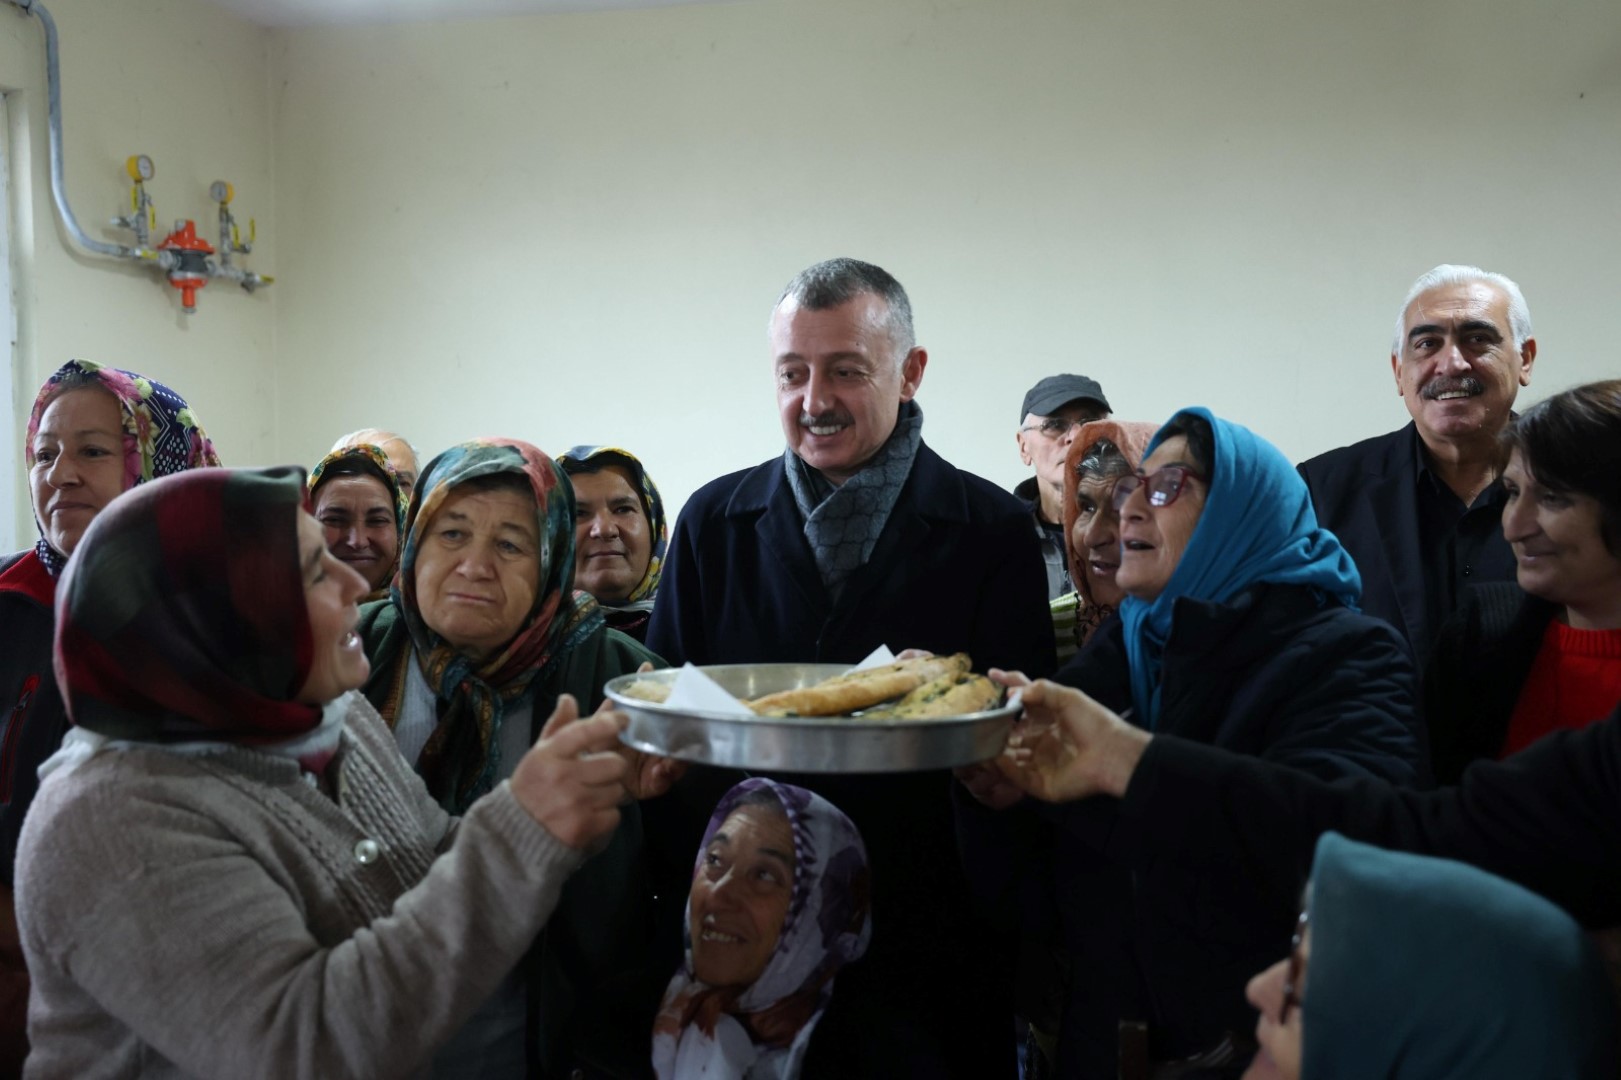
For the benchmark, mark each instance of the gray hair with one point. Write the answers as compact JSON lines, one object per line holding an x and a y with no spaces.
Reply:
{"x":838,"y":281}
{"x":1103,"y":460}
{"x":1519,"y":316}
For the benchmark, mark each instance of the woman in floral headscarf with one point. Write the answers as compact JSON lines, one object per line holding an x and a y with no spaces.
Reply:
{"x":359,"y":501}
{"x":483,"y":631}
{"x":780,"y":902}
{"x":94,"y":433}
{"x":620,"y":534}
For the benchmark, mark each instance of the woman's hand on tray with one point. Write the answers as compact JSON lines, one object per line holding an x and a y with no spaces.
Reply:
{"x":1066,"y":746}
{"x":649,"y":775}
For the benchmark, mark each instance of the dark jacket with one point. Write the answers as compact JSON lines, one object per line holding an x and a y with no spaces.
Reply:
{"x":34,"y":718}
{"x":1548,"y":817}
{"x":1367,"y":495}
{"x":596,"y":974}
{"x":32,"y":724}
{"x":1276,"y":674}
{"x":1472,"y":683}
{"x":956,"y":569}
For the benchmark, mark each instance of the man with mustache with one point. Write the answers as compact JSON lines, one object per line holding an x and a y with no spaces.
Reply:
{"x":1419,"y":508}
{"x":859,"y":535}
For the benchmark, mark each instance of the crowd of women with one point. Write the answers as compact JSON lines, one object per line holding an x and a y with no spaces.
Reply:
{"x":314,"y":775}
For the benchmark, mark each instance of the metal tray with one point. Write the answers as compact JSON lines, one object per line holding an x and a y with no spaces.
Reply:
{"x":803,"y":744}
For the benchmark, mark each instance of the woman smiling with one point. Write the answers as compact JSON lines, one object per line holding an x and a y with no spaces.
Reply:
{"x":483,"y":635}
{"x":1522,"y":660}
{"x":94,"y":433}
{"x":1238,"y":629}
{"x":229,"y":870}
{"x":779,"y":903}
{"x":361,"y":505}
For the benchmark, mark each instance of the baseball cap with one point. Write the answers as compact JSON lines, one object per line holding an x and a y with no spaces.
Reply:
{"x":1056,"y":391}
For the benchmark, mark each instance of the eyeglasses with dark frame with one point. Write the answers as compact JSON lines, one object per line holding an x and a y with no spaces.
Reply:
{"x":1291,"y":982}
{"x":1056,"y":427}
{"x":1165,"y":485}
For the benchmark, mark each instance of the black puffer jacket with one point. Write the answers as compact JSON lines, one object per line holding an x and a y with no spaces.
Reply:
{"x":1275,"y":674}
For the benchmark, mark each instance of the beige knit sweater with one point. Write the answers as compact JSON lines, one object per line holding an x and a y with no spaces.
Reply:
{"x":219,"y":917}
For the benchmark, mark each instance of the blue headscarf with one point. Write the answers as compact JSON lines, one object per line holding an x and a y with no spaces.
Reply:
{"x":1258,"y":526}
{"x":1427,"y":968}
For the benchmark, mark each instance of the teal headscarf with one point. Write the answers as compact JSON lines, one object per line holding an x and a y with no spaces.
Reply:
{"x":1430,"y":969}
{"x":1258,"y":526}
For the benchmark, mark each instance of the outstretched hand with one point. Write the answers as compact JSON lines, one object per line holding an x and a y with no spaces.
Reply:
{"x":571,"y":780}
{"x":648,"y":775}
{"x":1067,"y":746}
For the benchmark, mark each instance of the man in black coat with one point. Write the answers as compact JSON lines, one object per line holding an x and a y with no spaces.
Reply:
{"x":1418,"y":509}
{"x":859,"y":536}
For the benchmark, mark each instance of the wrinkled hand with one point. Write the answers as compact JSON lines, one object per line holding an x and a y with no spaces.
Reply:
{"x":571,"y":780}
{"x":649,"y":775}
{"x":1067,"y":746}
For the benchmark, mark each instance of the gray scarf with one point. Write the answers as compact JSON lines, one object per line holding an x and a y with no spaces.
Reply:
{"x":843,"y":523}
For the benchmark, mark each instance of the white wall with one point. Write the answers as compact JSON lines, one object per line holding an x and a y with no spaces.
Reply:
{"x":188,"y":85}
{"x":571,"y":228}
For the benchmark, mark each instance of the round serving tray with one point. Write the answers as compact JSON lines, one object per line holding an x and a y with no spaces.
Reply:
{"x":831,"y":744}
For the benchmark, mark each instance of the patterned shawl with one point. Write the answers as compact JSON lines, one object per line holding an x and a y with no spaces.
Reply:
{"x":375,"y":463}
{"x":763,"y":1032}
{"x":462,"y":756}
{"x":1428,"y":968}
{"x":161,"y":436}
{"x":1257,"y":526}
{"x":1131,"y":438}
{"x":641,"y":597}
{"x":843,"y":523}
{"x":181,"y":617}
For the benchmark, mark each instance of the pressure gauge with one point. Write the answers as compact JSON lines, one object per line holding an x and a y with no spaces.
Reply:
{"x":139,"y":167}
{"x":221,"y":192}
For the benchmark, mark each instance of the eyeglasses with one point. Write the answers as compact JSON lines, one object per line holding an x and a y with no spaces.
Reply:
{"x":1292,"y":984}
{"x":1056,"y":427}
{"x":1165,"y":485}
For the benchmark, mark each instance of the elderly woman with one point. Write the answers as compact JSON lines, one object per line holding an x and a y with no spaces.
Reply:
{"x":779,"y":903}
{"x":360,"y":504}
{"x":1239,"y":630}
{"x":94,"y":432}
{"x":1519,"y":661}
{"x":1102,"y":453}
{"x":229,"y":870}
{"x":484,"y":633}
{"x":619,"y":533}
{"x":1413,"y":968}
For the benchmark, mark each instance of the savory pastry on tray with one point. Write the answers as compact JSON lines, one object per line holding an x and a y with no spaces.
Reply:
{"x":956,"y":694}
{"x":862,"y":689}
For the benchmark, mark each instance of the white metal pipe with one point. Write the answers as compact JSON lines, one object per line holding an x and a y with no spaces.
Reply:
{"x":53,"y":89}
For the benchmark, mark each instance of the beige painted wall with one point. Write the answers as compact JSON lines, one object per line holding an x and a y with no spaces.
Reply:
{"x":571,"y":228}
{"x":187,"y":84}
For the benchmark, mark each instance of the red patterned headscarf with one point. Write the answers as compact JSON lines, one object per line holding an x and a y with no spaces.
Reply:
{"x":181,"y":617}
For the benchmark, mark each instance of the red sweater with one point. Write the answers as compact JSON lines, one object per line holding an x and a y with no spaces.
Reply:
{"x":1575,"y":680}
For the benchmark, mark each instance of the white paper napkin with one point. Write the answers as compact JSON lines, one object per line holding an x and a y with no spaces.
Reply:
{"x":879,"y":657}
{"x":693,"y":691}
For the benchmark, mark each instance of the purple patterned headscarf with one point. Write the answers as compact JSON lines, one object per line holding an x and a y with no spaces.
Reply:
{"x":764,"y":1030}
{"x":161,"y":436}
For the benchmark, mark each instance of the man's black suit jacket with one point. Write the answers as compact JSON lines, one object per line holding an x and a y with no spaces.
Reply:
{"x":1367,"y":495}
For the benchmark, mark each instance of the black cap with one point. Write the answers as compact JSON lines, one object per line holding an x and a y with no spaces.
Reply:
{"x":1056,"y":391}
